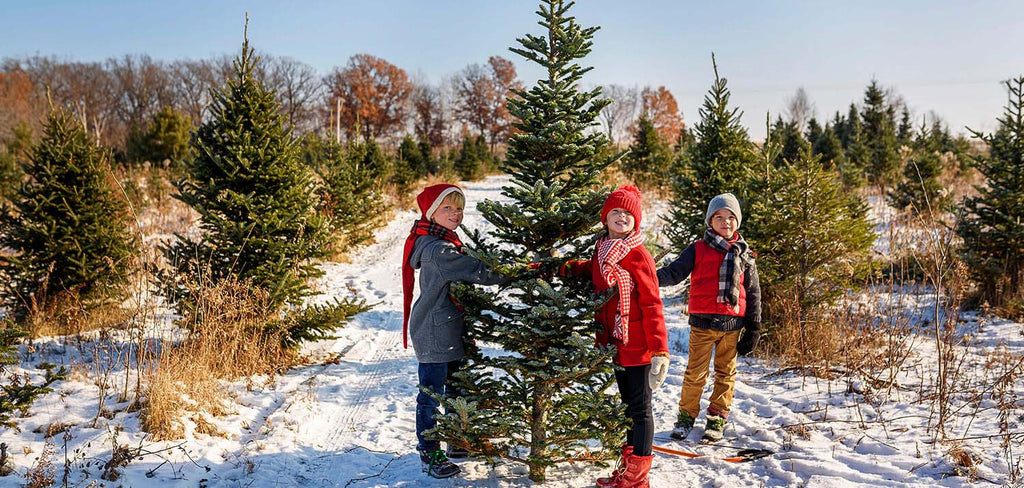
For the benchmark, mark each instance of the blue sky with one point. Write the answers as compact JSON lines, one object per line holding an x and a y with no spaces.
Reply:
{"x":943,"y":56}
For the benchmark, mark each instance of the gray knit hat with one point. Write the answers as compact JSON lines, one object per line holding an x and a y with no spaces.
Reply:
{"x":725,"y":200}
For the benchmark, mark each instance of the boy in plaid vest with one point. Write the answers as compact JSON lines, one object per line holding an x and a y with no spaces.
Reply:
{"x":725,"y":300}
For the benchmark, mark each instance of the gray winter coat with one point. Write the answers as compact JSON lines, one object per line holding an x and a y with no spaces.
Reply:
{"x":435,"y":325}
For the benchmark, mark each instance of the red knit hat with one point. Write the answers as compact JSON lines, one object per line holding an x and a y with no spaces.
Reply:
{"x":430,"y":198}
{"x":627,"y":197}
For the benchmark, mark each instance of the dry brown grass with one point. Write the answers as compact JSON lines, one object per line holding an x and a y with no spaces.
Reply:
{"x":227,"y":340}
{"x":66,"y":314}
{"x":841,"y":337}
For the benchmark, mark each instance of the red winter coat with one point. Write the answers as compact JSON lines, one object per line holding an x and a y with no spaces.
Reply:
{"x":647,"y":334}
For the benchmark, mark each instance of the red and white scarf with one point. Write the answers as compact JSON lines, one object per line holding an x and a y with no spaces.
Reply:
{"x":420,"y":228}
{"x":609,"y":253}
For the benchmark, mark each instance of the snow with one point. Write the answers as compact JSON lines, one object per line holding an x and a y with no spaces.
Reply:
{"x":347,"y":418}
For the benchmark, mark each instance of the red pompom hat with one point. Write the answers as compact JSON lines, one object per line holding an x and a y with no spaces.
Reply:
{"x":627,"y":197}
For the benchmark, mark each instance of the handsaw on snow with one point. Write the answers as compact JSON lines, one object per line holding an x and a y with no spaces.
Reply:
{"x":743,"y":455}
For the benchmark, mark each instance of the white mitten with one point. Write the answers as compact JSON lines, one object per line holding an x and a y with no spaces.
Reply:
{"x":659,"y":370}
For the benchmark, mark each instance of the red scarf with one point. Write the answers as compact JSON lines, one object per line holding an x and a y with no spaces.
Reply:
{"x":420,"y":228}
{"x":609,"y":253}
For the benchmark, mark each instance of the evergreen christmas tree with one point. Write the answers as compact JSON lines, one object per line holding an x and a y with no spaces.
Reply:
{"x":648,"y":157}
{"x":814,"y":131}
{"x":790,"y":140}
{"x":855,"y":148}
{"x":474,"y":158}
{"x":991,"y":227}
{"x":829,"y":148}
{"x":545,"y":399}
{"x":411,"y":164}
{"x":350,"y":192}
{"x":66,"y":227}
{"x":164,"y":139}
{"x":720,"y":161}
{"x":879,"y":137}
{"x":920,"y":188}
{"x":11,"y":151}
{"x":812,"y":264}
{"x":256,"y":204}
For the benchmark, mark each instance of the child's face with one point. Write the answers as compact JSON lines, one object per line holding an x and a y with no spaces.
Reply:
{"x":448,"y":215}
{"x":620,"y":223}
{"x":724,"y":223}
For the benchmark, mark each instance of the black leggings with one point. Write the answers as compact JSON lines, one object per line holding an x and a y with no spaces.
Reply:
{"x":636,"y":394}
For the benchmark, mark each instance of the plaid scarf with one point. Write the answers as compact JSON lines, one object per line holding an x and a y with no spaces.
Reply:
{"x":729,"y":272}
{"x":420,"y":228}
{"x":609,"y":253}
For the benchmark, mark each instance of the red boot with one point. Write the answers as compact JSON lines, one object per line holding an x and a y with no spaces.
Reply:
{"x":620,"y":468}
{"x":635,"y":475}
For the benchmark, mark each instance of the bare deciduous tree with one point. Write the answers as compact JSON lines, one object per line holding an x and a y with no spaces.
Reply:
{"x":618,"y":116}
{"x":481,"y":92}
{"x":800,"y":109}
{"x":429,"y":118}
{"x":298,"y":88}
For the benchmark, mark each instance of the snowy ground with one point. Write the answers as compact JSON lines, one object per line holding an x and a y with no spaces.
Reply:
{"x":348,"y":418}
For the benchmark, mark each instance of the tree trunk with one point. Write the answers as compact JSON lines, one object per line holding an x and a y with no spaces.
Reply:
{"x":538,"y":433}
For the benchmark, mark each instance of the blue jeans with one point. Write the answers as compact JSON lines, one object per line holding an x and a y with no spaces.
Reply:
{"x":436,"y":377}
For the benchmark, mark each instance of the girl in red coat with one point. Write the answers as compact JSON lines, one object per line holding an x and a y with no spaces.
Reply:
{"x":632,"y":320}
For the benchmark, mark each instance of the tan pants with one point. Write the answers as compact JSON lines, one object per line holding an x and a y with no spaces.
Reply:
{"x":702,"y":342}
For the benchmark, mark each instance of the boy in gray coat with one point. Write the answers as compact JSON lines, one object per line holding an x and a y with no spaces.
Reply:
{"x":435,"y":322}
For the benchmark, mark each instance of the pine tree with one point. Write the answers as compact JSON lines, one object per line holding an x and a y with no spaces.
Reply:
{"x":790,"y":141}
{"x":879,"y":137}
{"x":830,"y":149}
{"x":814,"y":131}
{"x":811,"y":237}
{"x":905,"y":131}
{"x":856,"y":150}
{"x":991,"y":227}
{"x":474,"y":158}
{"x":648,"y":157}
{"x":546,"y":399}
{"x":920,"y":188}
{"x":67,"y":228}
{"x":256,"y":201}
{"x":11,"y":152}
{"x":720,"y":161}
{"x":411,"y":164}
{"x":351,"y":194}
{"x":164,"y":139}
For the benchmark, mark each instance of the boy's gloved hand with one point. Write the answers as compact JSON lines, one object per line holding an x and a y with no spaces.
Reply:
{"x":659,"y":369}
{"x":751,"y":336}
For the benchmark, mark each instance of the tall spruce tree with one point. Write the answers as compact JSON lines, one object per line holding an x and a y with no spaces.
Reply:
{"x":720,"y":161}
{"x":991,"y":228}
{"x":648,"y":157}
{"x":879,"y":137}
{"x":256,"y":201}
{"x":546,"y":398}
{"x":66,"y":226}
